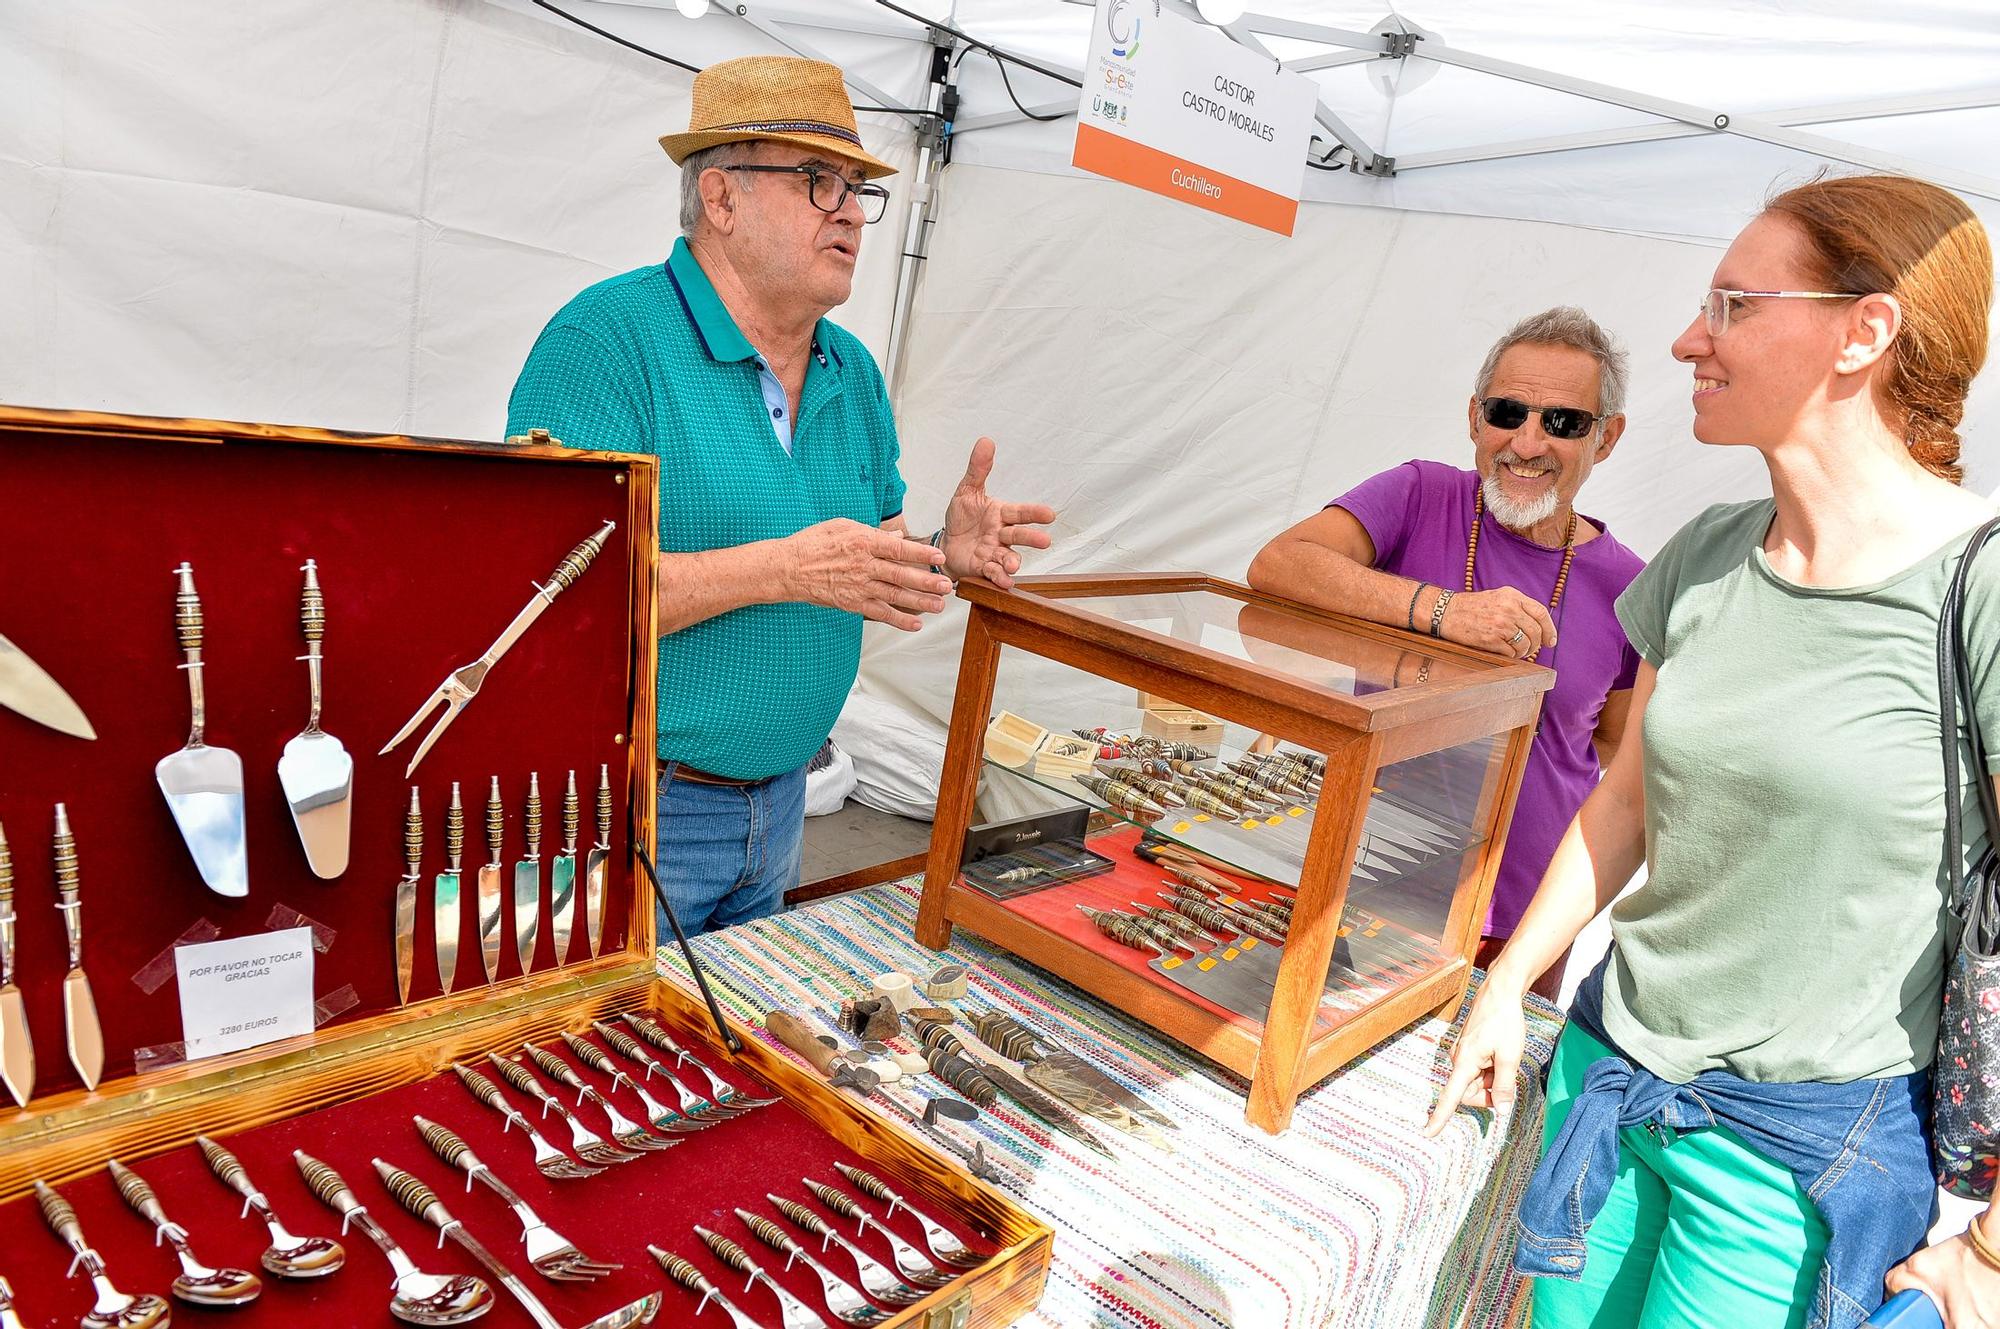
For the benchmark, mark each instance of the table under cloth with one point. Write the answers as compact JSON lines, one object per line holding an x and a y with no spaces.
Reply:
{"x":1350,"y":1218}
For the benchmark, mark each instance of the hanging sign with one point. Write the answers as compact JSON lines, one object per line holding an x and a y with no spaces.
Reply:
{"x":1176,"y":107}
{"x":239,"y":993}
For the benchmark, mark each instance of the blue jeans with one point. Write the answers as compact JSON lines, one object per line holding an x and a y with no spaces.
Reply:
{"x":727,"y":855}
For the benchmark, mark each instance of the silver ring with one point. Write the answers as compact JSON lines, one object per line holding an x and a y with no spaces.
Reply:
{"x":1515,"y":640}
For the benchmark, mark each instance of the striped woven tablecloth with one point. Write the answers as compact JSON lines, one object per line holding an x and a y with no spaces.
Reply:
{"x":1350,"y":1218}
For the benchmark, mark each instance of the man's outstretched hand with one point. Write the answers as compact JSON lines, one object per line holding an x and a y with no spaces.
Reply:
{"x":982,"y":534}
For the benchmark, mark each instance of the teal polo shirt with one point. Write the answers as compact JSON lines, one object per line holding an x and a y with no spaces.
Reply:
{"x":652,"y":362}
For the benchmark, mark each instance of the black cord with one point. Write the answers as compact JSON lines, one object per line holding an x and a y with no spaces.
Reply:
{"x":1001,"y":65}
{"x":692,"y":69}
{"x":1322,"y":163}
{"x":976,"y":44}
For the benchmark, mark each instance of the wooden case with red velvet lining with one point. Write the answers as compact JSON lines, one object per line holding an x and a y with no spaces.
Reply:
{"x":425,"y":550}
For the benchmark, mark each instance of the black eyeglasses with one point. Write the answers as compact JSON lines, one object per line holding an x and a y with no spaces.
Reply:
{"x":829,"y":191}
{"x":1557,"y":421}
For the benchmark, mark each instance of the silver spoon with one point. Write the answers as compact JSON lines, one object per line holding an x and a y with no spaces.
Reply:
{"x":420,"y":1298}
{"x":198,"y":1284}
{"x":113,"y":1309}
{"x":288,"y":1256}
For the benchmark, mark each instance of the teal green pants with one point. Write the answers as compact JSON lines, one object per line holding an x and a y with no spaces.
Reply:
{"x":1700,"y":1230}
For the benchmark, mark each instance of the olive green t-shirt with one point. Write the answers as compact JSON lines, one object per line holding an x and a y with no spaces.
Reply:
{"x":1794,"y":921}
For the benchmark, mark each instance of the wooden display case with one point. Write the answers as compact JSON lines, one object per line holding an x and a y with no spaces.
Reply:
{"x":425,"y":550}
{"x":1389,"y":868}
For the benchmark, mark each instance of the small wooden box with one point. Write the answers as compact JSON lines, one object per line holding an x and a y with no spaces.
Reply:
{"x":1180,"y":725}
{"x":426,"y":548}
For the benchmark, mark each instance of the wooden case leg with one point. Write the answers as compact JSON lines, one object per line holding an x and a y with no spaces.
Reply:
{"x":1277,"y":1081}
{"x":958,"y":785}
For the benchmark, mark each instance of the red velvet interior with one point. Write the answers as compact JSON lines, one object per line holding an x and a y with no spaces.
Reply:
{"x":1134,"y":879}
{"x":424,"y":558}
{"x":612,"y":1216}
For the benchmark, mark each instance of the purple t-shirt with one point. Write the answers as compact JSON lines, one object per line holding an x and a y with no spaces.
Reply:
{"x":1419,"y":516}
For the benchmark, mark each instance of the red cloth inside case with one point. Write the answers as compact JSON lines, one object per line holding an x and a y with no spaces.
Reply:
{"x":612,"y":1216}
{"x":424,"y":557}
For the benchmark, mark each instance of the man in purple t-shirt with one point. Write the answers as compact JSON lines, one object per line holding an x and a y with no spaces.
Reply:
{"x":1547,"y":407}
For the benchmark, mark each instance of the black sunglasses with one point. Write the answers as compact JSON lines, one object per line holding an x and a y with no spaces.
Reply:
{"x":1557,"y":421}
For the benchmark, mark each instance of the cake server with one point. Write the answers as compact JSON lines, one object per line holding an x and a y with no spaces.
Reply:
{"x":86,"y":1032}
{"x":315,"y":770}
{"x":204,"y":785}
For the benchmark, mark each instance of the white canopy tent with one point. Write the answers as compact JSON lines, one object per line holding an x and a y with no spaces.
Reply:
{"x":360,"y":215}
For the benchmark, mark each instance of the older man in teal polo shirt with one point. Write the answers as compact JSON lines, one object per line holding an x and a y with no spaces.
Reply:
{"x":781,"y":507}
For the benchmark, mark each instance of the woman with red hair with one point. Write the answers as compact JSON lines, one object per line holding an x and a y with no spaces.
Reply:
{"x":1738,"y":1110}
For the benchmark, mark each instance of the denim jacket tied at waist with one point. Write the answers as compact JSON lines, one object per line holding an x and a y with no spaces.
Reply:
{"x":1859,"y":1151}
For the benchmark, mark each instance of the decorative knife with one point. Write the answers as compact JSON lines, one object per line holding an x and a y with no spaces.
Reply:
{"x":562,"y":876}
{"x":86,"y":1034}
{"x":598,"y":865}
{"x":446,"y":909}
{"x":17,"y":1053}
{"x":463,"y":684}
{"x":490,"y":899}
{"x":26,"y":687}
{"x":406,"y":897}
{"x":528,"y":879}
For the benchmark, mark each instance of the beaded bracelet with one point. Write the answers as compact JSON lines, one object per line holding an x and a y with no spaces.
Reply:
{"x":1437,"y":610}
{"x":1982,"y":1245}
{"x":1410,"y":618}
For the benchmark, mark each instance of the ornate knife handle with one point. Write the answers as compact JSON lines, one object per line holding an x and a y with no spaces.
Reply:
{"x":578,"y":560}
{"x":873,"y":1185}
{"x":132,"y":1188}
{"x":534,"y":819}
{"x":413,"y":1195}
{"x":655,"y":1035}
{"x":773,"y":1236}
{"x":496,"y":820}
{"x":592,"y":1055}
{"x":188,"y":629}
{"x":327,"y":1185}
{"x":69,"y":886}
{"x":6,"y":912}
{"x":604,"y":806}
{"x":684,"y":1273}
{"x":1008,"y":1036}
{"x":413,"y":838}
{"x":732,"y":1255}
{"x":447,"y":1146}
{"x":228,"y":1169}
{"x":572,"y":815}
{"x":454,"y":829}
{"x":627,"y":1046}
{"x":837,"y":1201}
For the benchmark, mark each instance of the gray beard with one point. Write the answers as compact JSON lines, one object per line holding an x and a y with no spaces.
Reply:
{"x":1516,"y":516}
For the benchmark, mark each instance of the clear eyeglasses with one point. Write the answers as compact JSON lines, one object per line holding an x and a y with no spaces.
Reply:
{"x":1719,"y":302}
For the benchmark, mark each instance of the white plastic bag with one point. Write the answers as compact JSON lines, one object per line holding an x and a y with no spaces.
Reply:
{"x":829,"y":780}
{"x":898,"y":757}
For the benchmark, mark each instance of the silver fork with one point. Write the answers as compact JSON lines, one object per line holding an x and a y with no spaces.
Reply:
{"x":589,"y":1145}
{"x":911,"y":1263}
{"x":842,"y":1297}
{"x":628,"y":1133}
{"x":552,"y":1255}
{"x":793,"y":1313}
{"x":550,"y":1161}
{"x":658,"y":1114}
{"x":726,"y":1094}
{"x":877,"y":1279}
{"x":944,"y":1243}
{"x":697,"y":1111}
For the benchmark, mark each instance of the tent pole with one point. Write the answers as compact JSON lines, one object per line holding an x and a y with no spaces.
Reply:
{"x":933,"y":151}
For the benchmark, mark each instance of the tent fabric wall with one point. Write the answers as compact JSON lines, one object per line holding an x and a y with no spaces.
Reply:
{"x":354,"y":215}
{"x":1181,"y":387}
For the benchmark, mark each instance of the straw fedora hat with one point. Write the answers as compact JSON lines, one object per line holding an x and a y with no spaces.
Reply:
{"x":777,"y":97}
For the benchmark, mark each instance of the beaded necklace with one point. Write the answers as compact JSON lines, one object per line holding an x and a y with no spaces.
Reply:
{"x":1562,"y":574}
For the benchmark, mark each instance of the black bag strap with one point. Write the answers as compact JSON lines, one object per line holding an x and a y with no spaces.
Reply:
{"x":1979,"y":907}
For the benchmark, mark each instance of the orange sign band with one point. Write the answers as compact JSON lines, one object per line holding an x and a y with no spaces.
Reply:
{"x":1118,"y":158}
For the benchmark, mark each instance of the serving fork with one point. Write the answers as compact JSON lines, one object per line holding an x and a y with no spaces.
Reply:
{"x":910,"y":1262}
{"x":552,"y":1255}
{"x":795,"y":1314}
{"x":691,"y":1278}
{"x":550,"y":1161}
{"x":877,"y":1279}
{"x":943,"y":1242}
{"x":842,"y":1297}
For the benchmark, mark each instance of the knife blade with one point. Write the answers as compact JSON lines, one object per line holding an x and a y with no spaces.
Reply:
{"x":17,"y":1052}
{"x":28,"y":688}
{"x":406,"y":898}
{"x":562,"y":876}
{"x":490,"y":900}
{"x":528,"y":880}
{"x":598,"y":865}
{"x":86,"y":1032}
{"x":445,"y":909}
